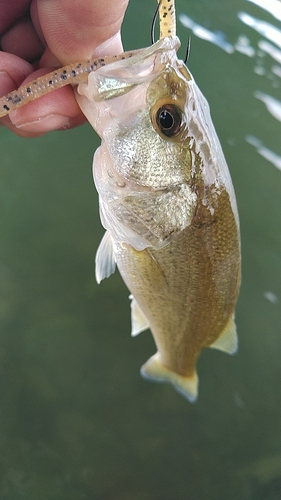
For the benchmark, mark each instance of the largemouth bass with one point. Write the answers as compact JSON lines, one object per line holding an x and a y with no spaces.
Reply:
{"x":167,"y":204}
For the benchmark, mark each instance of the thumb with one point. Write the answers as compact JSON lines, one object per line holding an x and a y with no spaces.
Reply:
{"x":73,"y":30}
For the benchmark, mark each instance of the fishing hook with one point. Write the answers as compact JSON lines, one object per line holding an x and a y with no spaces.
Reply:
{"x":152,"y":30}
{"x":187,"y":53}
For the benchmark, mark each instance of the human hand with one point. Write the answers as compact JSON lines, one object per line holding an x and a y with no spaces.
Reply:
{"x":38,"y":35}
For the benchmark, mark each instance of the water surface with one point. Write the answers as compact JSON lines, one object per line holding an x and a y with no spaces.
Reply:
{"x":77,"y":422}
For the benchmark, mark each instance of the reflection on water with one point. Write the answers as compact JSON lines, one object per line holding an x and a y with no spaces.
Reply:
{"x":270,"y":49}
{"x":266,"y":29}
{"x":198,"y":30}
{"x":271,"y":297}
{"x":272,"y":6}
{"x":276,"y":70}
{"x":272,"y":105}
{"x":264,"y":151}
{"x":77,"y":421}
{"x":243,"y":46}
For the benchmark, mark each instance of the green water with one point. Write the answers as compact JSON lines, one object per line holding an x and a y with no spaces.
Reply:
{"x":77,"y":422}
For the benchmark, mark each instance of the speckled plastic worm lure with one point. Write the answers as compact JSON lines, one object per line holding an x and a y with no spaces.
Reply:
{"x":73,"y":74}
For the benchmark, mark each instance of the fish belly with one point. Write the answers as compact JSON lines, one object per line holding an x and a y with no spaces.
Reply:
{"x":186,"y":290}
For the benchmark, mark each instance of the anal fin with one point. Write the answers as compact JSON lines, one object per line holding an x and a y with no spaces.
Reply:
{"x":228,"y":340}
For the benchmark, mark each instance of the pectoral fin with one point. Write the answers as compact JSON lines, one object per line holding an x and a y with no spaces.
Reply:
{"x":228,"y":340}
{"x":138,"y":319}
{"x":105,"y":259}
{"x":154,"y":370}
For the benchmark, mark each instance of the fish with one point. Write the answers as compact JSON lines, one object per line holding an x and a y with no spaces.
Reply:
{"x":167,"y":203}
{"x":168,"y":206}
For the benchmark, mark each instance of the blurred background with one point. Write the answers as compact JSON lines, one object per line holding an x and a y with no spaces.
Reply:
{"x":77,"y":422}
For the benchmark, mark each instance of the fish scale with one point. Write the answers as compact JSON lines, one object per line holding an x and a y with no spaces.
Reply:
{"x":189,"y":263}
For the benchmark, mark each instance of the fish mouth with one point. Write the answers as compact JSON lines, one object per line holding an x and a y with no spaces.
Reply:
{"x":167,"y":44}
{"x":119,"y":77}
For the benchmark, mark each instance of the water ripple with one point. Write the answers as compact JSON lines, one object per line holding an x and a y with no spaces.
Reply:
{"x":265,"y":152}
{"x":211,"y":36}
{"x":262,"y":27}
{"x":272,"y":105}
{"x":271,"y":6}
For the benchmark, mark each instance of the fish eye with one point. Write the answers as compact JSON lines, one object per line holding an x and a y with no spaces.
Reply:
{"x":169,"y":119}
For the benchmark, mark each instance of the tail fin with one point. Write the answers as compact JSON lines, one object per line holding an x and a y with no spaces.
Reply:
{"x":154,"y":370}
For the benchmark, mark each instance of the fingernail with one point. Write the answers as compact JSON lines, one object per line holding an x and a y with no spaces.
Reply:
{"x":110,"y":47}
{"x":7,"y":84}
{"x":45,"y":124}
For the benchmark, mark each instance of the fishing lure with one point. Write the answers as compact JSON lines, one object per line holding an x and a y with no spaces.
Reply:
{"x":166,"y":199}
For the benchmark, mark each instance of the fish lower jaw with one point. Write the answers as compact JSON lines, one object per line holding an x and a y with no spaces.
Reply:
{"x":154,"y":370}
